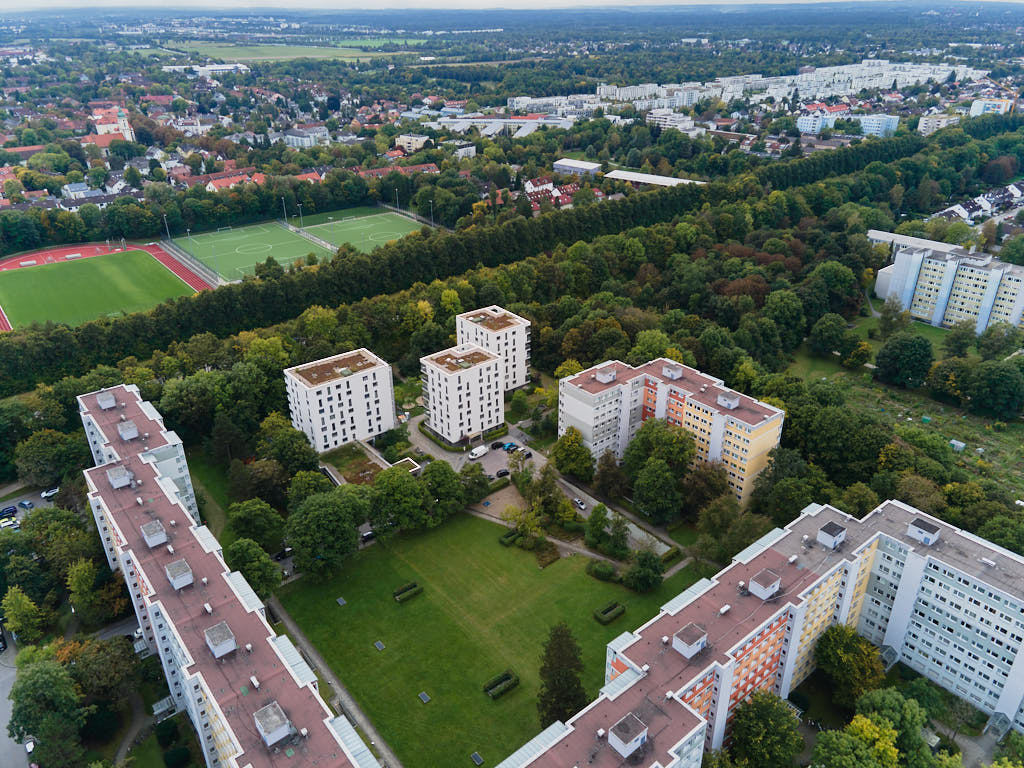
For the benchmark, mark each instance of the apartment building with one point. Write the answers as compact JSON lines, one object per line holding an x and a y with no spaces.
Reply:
{"x":411,"y":142}
{"x":991,"y":107}
{"x":341,"y":399}
{"x":929,"y":124}
{"x":939,"y":599}
{"x":502,"y":333}
{"x":251,"y":697}
{"x":608,"y":402}
{"x":876,"y":125}
{"x":462,"y":391}
{"x":568,"y":166}
{"x":943,"y":284}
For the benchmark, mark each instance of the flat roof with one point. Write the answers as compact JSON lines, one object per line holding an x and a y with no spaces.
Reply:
{"x":460,"y":358}
{"x":581,"y":164}
{"x":337,"y":367}
{"x":494,"y":318}
{"x":635,"y":177}
{"x":107,"y":406}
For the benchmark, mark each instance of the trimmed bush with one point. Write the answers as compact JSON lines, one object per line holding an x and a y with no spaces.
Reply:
{"x":444,"y":444}
{"x":574,"y":526}
{"x":499,"y":431}
{"x":509,"y":537}
{"x":601,"y":570}
{"x":407,"y":591}
{"x":672,"y":555}
{"x":610,"y":612}
{"x":497,"y":485}
{"x":498,"y":686}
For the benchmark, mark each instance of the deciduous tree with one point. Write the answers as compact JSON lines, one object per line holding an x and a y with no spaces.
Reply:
{"x":850,"y":662}
{"x":260,"y":571}
{"x":46,"y":456}
{"x":256,"y":520}
{"x":904,"y":360}
{"x":22,"y":616}
{"x":609,"y":480}
{"x":764,"y":732}
{"x":571,"y":456}
{"x":655,"y":492}
{"x":323,"y":530}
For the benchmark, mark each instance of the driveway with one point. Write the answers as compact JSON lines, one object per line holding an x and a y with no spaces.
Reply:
{"x":11,"y":752}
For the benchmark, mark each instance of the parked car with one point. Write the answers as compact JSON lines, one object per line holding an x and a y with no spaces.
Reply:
{"x":510,"y":446}
{"x":3,"y":639}
{"x":47,"y":495}
{"x":25,"y":504}
{"x":8,"y":512}
{"x":501,"y":473}
{"x":528,"y":455}
{"x":367,"y":536}
{"x":579,"y":503}
{"x":495,"y":446}
{"x":283,"y":554}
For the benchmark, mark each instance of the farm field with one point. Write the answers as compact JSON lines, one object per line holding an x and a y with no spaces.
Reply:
{"x":75,"y":292}
{"x":485,"y":608}
{"x":231,"y":52}
{"x":234,"y":253}
{"x":364,"y":232}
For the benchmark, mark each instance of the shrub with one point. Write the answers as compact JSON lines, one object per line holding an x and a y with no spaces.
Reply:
{"x":101,"y":725}
{"x":672,"y":555}
{"x":574,"y":526}
{"x":177,"y":757}
{"x":498,"y":686}
{"x":166,"y":733}
{"x":527,"y":542}
{"x":509,"y":537}
{"x":407,"y":591}
{"x":499,"y":431}
{"x":602,"y":570}
{"x":497,"y":485}
{"x":610,"y":612}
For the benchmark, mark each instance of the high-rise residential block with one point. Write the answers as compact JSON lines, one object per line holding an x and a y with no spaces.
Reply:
{"x":342,"y":398}
{"x":608,"y":402}
{"x":463,"y":391}
{"x":502,"y":333}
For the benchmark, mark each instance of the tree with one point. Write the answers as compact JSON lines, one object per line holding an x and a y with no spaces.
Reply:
{"x":858,"y":500}
{"x":618,"y":537}
{"x":597,"y":524}
{"x":609,"y":479}
{"x":850,"y":662}
{"x":904,"y":360}
{"x":826,"y":335}
{"x":445,"y":488}
{"x":959,"y":339}
{"x":787,"y":311}
{"x":22,"y":616}
{"x":656,"y":495}
{"x":475,"y":485}
{"x":705,"y":481}
{"x":133,"y":177}
{"x":46,"y":706}
{"x":658,"y":439}
{"x":46,"y":456}
{"x":859,"y":353}
{"x":866,"y":742}
{"x":561,"y":692}
{"x":996,"y":388}
{"x":248,"y":556}
{"x":304,"y":485}
{"x":893,"y":318}
{"x":571,"y":456}
{"x":906,"y":716}
{"x":102,"y":669}
{"x":645,"y":573}
{"x":999,"y":340}
{"x":255,"y":519}
{"x":764,"y":732}
{"x":399,"y":503}
{"x":569,"y":367}
{"x":280,"y":441}
{"x":81,"y":584}
{"x":323,"y":530}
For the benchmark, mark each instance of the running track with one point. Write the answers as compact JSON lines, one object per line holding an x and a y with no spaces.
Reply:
{"x":87,"y":250}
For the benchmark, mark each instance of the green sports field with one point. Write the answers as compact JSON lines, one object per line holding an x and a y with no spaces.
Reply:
{"x":75,"y":292}
{"x":234,"y":253}
{"x":364,"y":232}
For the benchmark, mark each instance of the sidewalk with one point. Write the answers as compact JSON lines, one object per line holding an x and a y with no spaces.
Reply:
{"x":348,"y":705}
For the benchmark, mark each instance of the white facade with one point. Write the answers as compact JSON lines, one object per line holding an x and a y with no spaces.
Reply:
{"x":502,"y":333}
{"x":341,"y":399}
{"x":991,"y":107}
{"x":929,"y":124}
{"x":576,"y":167}
{"x":462,"y":391}
{"x":411,"y":142}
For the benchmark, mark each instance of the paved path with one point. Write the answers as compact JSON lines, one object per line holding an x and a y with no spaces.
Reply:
{"x":12,"y":754}
{"x":349,"y":707}
{"x":565,"y":547}
{"x":140,"y":720}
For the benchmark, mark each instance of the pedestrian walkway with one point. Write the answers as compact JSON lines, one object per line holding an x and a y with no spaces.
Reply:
{"x":348,"y":705}
{"x":140,"y":721}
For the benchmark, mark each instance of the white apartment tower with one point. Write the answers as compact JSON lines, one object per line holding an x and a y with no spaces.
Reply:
{"x":250,"y":695}
{"x":341,"y":399}
{"x":502,"y":333}
{"x":462,"y":391}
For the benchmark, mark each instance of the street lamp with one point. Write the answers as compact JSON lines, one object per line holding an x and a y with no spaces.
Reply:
{"x":284,"y":210}
{"x":431,"y":213}
{"x":167,"y":227}
{"x":191,"y":245}
{"x":396,"y":197}
{"x":300,"y":215}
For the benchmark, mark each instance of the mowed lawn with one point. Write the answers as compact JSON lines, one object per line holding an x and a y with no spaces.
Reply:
{"x":485,"y":608}
{"x":75,"y":292}
{"x":367,"y":232}
{"x":234,"y":253}
{"x":233,"y":52}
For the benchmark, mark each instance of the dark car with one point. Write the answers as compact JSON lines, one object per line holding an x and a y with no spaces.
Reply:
{"x":8,"y":512}
{"x":501,"y":473}
{"x":528,"y":455}
{"x":283,"y":554}
{"x":495,"y":446}
{"x":3,"y":639}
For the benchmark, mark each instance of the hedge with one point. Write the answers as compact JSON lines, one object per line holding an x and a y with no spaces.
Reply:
{"x":674,"y":553}
{"x":497,"y":485}
{"x":407,"y":591}
{"x":438,"y":441}
{"x":610,"y":612}
{"x":500,"y":431}
{"x":509,"y":537}
{"x":498,"y":686}
{"x":602,"y":570}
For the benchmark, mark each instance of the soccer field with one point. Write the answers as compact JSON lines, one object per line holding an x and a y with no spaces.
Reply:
{"x":365,"y":232}
{"x":234,"y":253}
{"x":75,"y":292}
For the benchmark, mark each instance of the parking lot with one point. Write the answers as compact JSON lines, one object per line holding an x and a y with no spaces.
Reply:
{"x":32,"y":498}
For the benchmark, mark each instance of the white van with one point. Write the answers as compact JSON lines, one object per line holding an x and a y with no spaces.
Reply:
{"x":478,"y":452}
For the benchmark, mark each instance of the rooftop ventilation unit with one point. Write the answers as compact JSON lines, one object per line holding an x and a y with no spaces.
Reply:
{"x":106,"y":400}
{"x":831,"y":535}
{"x":921,"y":530}
{"x":765,"y":584}
{"x":255,"y":682}
{"x":690,"y":640}
{"x":988,"y":562}
{"x":179,"y":573}
{"x":672,"y":372}
{"x":724,"y":609}
{"x":248,"y":647}
{"x":600,"y":733}
{"x":207,"y":607}
{"x":628,"y":735}
{"x":127,"y":429}
{"x":272,"y":723}
{"x":153,"y":533}
{"x":205,"y":581}
{"x":170,"y":549}
{"x":220,"y":640}
{"x":728,"y":400}
{"x":606,"y":375}
{"x":792,"y":559}
{"x":119,"y":477}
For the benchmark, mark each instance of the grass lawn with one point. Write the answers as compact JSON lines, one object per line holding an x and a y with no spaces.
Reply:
{"x":147,"y":754}
{"x":683,"y":534}
{"x":485,"y":608}
{"x":211,"y":482}
{"x":75,"y":292}
{"x":353,"y":464}
{"x":233,"y":52}
{"x":406,"y":393}
{"x":365,"y":232}
{"x":235,"y":252}
{"x":312,"y":219}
